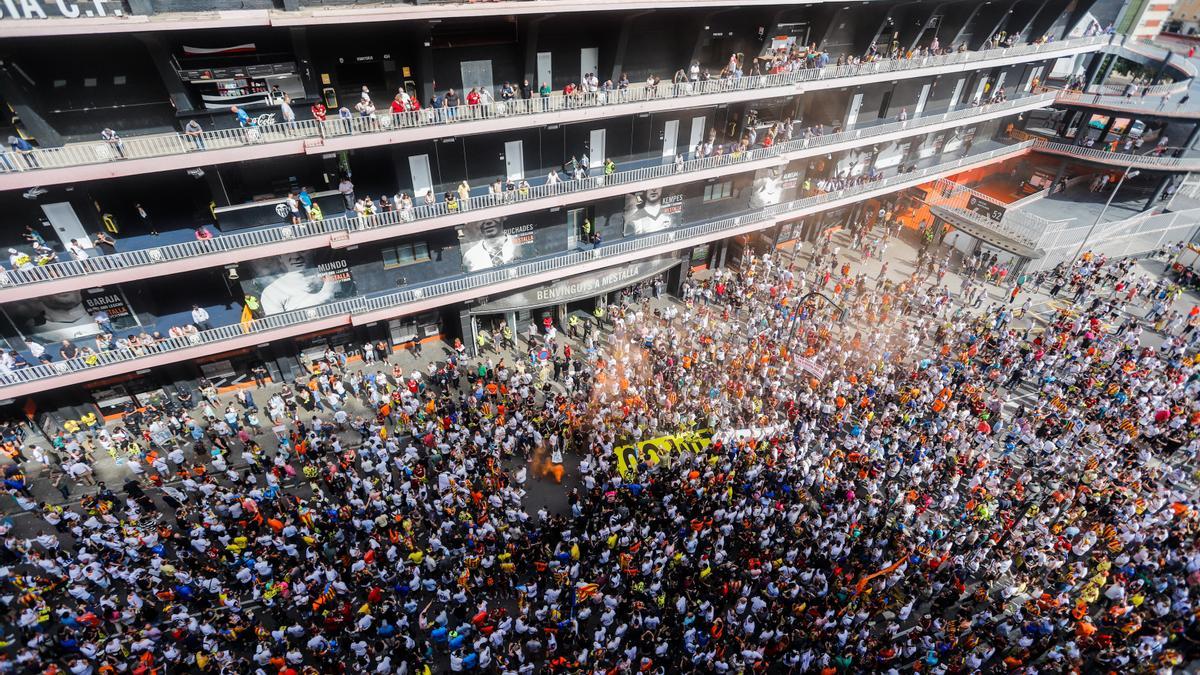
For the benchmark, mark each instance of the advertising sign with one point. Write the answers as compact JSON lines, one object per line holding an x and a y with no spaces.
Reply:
{"x":298,"y":280}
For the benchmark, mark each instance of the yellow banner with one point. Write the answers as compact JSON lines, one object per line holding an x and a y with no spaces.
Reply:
{"x":656,"y":450}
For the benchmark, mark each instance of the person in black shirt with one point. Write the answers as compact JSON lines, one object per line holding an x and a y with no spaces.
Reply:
{"x":68,"y":350}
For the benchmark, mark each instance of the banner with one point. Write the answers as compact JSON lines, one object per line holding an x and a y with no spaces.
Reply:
{"x":656,"y":450}
{"x":298,"y":280}
{"x":767,"y":189}
{"x":495,"y":242}
{"x":69,"y":315}
{"x":652,"y":210}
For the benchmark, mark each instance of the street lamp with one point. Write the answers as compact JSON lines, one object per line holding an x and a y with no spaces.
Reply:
{"x":1096,"y":223}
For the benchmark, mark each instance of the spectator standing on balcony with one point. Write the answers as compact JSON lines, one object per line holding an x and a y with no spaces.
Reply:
{"x":37,"y":350}
{"x":144,"y":216}
{"x":24,"y":149}
{"x":200,"y":318}
{"x":347,"y":189}
{"x":33,"y":236}
{"x":194,"y":133}
{"x":526,"y":90}
{"x":67,"y":350}
{"x":118,"y":146}
{"x":240,"y":116}
{"x":464,"y":194}
{"x":105,"y":244}
{"x":286,"y":113}
{"x":319,"y":112}
{"x":76,"y":250}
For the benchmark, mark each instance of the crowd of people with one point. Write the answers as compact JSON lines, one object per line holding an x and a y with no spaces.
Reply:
{"x":890,"y":477}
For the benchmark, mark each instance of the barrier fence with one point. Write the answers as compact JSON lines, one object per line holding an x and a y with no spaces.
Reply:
{"x":340,"y":224}
{"x":139,"y":147}
{"x":344,"y":309}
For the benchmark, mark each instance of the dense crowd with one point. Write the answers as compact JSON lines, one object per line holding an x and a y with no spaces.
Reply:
{"x":878,"y":478}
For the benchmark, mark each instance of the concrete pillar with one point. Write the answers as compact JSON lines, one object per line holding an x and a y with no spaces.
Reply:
{"x":999,"y":23}
{"x":22,"y":102}
{"x":1162,"y":68}
{"x":1192,"y":137}
{"x":1158,"y":192}
{"x":216,"y":186}
{"x":970,"y":18}
{"x":304,"y":60}
{"x":1058,"y":175}
{"x":425,"y":68}
{"x":160,"y":56}
{"x":926,"y":26}
{"x":531,"y":29}
{"x":622,"y":44}
{"x":1107,"y":128}
{"x":703,"y":37}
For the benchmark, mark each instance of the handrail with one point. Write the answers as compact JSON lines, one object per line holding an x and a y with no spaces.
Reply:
{"x":1152,"y":90}
{"x":1128,"y":231}
{"x":136,"y":147}
{"x":1152,"y":51}
{"x":1149,"y":106}
{"x":1123,"y":159}
{"x":345,"y":309}
{"x":1022,"y":227}
{"x":789,"y":150}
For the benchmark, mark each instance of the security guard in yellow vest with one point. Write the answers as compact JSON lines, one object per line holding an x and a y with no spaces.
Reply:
{"x":253,"y":305}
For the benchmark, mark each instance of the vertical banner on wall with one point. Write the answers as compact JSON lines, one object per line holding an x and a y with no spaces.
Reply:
{"x":652,"y":210}
{"x":767,"y":189}
{"x":493,"y":243}
{"x":299,"y":280}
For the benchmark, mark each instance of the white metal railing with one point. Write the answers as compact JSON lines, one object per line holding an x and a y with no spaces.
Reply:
{"x":1023,"y":227}
{"x":257,"y":238}
{"x":1136,"y":235}
{"x":1154,"y":52}
{"x":344,"y":309}
{"x":135,"y":147}
{"x":1152,"y":105}
{"x":1152,"y":90}
{"x":1119,"y":158}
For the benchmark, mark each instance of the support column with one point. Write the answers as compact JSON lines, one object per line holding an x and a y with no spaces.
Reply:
{"x":21,"y":101}
{"x":530,"y":40}
{"x":1162,"y":68}
{"x":622,"y":44}
{"x":1158,"y":192}
{"x":1192,"y":137}
{"x":703,"y":38}
{"x":160,"y":56}
{"x":970,"y":18}
{"x":999,"y":24}
{"x":1112,"y":62}
{"x":304,"y":60}
{"x":425,"y":68}
{"x":926,"y":26}
{"x":1058,"y":175}
{"x":1107,"y":128}
{"x":216,"y":186}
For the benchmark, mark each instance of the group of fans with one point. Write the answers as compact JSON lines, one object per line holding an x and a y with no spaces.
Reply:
{"x":805,"y":467}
